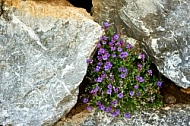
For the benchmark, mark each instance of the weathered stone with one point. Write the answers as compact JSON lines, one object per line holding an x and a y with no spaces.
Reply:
{"x":43,"y":52}
{"x":162,"y":26}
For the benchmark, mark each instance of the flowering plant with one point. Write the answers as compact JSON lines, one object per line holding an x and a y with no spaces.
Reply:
{"x":121,"y":82}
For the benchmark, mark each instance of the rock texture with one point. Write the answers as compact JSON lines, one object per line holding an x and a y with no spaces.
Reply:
{"x":173,"y":115}
{"x":162,"y":26}
{"x":43,"y":52}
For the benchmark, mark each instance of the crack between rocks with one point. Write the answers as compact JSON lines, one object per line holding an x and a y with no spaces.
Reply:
{"x":1,"y":7}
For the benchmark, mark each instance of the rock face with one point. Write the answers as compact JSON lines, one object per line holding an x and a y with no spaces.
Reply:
{"x":43,"y":52}
{"x":162,"y":26}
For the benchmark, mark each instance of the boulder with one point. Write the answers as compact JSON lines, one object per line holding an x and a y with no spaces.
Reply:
{"x":162,"y":26}
{"x":43,"y":52}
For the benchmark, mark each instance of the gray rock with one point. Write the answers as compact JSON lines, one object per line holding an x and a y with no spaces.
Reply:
{"x":43,"y":52}
{"x":175,"y":115}
{"x":162,"y":26}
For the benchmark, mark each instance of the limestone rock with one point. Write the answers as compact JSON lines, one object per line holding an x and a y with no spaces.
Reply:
{"x":162,"y":26}
{"x":43,"y":52}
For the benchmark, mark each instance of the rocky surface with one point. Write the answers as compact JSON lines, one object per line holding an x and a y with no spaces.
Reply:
{"x":43,"y":52}
{"x":173,"y":115}
{"x":162,"y":27}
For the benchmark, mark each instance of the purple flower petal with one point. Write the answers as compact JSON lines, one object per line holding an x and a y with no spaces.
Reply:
{"x":123,"y":75}
{"x":127,"y":115}
{"x":120,"y":95}
{"x":159,"y":84}
{"x":129,"y":46}
{"x":89,"y":108}
{"x":106,"y":24}
{"x":85,"y":100}
{"x":150,"y":72}
{"x":116,"y":37}
{"x":110,"y":86}
{"x":123,"y":54}
{"x":89,"y":61}
{"x":142,"y":56}
{"x":108,"y":109}
{"x":109,"y":91}
{"x":131,"y":93}
{"x":136,"y":87}
{"x":101,"y":107}
{"x":119,"y":49}
{"x":99,"y":103}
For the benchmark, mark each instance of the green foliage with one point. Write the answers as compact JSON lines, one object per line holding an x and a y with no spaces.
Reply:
{"x":121,"y":82}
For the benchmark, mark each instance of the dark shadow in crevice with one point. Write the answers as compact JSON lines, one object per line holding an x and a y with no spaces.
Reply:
{"x":80,"y":106}
{"x":86,"y":4}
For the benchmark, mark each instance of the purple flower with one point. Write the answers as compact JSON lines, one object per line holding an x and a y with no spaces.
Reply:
{"x":140,"y":79}
{"x":136,"y":87}
{"x":104,"y":42}
{"x":101,"y":107}
{"x":101,"y":51}
{"x":99,"y":63}
{"x":138,"y":94}
{"x":103,"y":38}
{"x":137,"y":77}
{"x":131,"y":93}
{"x":159,"y":84}
{"x":99,"y":79}
{"x":113,"y":114}
{"x":119,"y":49}
{"x":111,"y":44}
{"x":89,"y":108}
{"x":98,"y":45}
{"x":106,"y":24}
{"x":114,"y":102}
{"x":123,"y":54}
{"x":110,"y":86}
{"x":142,"y":56}
{"x":122,"y":70}
{"x":116,"y":37}
{"x":129,"y":46}
{"x":85,"y":100}
{"x":97,"y":69}
{"x":92,"y":91}
{"x":107,"y":66}
{"x":118,"y":44}
{"x":99,"y":103}
{"x":99,"y":58}
{"x":97,"y":88}
{"x":108,"y":109}
{"x":120,"y":95}
{"x":113,"y":55}
{"x":117,"y":111}
{"x":103,"y":75}
{"x":150,"y":72}
{"x":116,"y":90}
{"x":109,"y":91}
{"x":89,"y":61}
{"x":139,"y":66}
{"x":113,"y":48}
{"x":121,"y":43}
{"x":127,"y":115}
{"x":105,"y":56}
{"x":123,"y":75}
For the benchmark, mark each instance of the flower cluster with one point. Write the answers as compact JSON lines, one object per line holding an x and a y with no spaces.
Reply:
{"x":121,"y":82}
